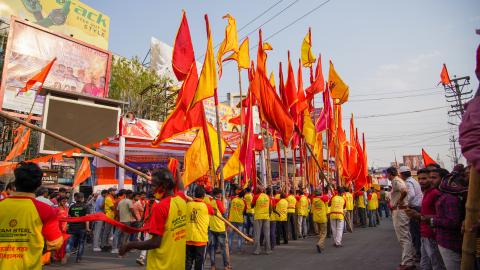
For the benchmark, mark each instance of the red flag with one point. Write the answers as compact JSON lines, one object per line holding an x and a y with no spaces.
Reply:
{"x":302,"y":100}
{"x":444,"y":77}
{"x":83,"y":172}
{"x":427,"y":160}
{"x":281,"y":86}
{"x":325,"y":119}
{"x":318,"y":85}
{"x":39,"y":77}
{"x":247,"y":149}
{"x":182,"y":55}
{"x":236,"y":120}
{"x":172,"y":166}
{"x":290,"y":86}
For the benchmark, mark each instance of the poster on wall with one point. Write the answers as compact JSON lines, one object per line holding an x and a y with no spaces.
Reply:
{"x":414,"y":162}
{"x":68,"y":17}
{"x":79,"y":68}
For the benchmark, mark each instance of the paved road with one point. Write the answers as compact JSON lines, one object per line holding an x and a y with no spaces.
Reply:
{"x":369,"y":248}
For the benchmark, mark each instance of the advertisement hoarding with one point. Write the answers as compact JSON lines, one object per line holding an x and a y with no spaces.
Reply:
{"x":68,"y":17}
{"x":79,"y":68}
{"x":414,"y":162}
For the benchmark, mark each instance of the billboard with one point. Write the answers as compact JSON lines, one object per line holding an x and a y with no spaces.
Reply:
{"x":82,"y":122}
{"x":68,"y":17}
{"x":414,"y":162}
{"x":79,"y":68}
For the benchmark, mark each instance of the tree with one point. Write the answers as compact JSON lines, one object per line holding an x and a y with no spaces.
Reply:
{"x":148,"y":95}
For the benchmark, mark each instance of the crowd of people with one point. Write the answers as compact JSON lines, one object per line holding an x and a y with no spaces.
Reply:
{"x":182,"y":228}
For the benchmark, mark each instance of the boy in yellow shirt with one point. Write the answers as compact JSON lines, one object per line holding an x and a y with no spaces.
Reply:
{"x":319,"y":213}
{"x":238,"y":208}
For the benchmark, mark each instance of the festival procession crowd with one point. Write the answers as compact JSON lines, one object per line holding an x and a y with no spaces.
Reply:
{"x":178,"y":221}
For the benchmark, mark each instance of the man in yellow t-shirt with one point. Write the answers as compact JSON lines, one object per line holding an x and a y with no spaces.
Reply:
{"x":26,"y":224}
{"x":198,"y":219}
{"x":372,"y":208}
{"x":337,"y":218}
{"x":291,"y":224}
{"x":168,"y":222}
{"x":217,"y":237}
{"x":280,"y":212}
{"x":319,"y":213}
{"x":262,"y":207}
{"x":349,"y":213}
{"x":235,"y":216}
{"x":361,"y":207}
{"x":109,"y":208}
{"x":302,"y":213}
{"x":249,"y":213}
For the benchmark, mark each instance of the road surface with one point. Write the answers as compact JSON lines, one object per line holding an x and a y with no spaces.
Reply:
{"x":368,"y":248}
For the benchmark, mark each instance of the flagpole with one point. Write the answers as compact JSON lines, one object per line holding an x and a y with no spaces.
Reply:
{"x":335,"y":115}
{"x":294,"y":182}
{"x":287,"y":182}
{"x":328,"y":162}
{"x":241,"y":121}
{"x":219,"y":136}
{"x":269,"y":163}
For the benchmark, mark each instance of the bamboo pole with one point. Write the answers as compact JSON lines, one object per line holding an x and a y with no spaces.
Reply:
{"x":234,"y":228}
{"x":287,"y":182}
{"x":241,"y":121}
{"x":471,"y":218}
{"x":73,"y":143}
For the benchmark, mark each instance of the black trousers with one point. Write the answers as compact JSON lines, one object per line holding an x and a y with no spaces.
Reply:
{"x":195,"y":256}
{"x":291,"y":225}
{"x":362,"y":214}
{"x":415,"y":233}
{"x":282,"y":232}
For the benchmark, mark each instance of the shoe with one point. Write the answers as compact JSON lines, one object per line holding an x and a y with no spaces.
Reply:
{"x":256,"y":253}
{"x":268,"y":252}
{"x":115,"y":251}
{"x":97,"y":249}
{"x":78,"y":260}
{"x":141,"y":261}
{"x":319,"y":249}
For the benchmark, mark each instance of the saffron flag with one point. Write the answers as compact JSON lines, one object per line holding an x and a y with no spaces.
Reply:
{"x":281,"y":86}
{"x":182,"y":56}
{"x":40,"y":77}
{"x":230,"y":43}
{"x":318,"y":84}
{"x":207,"y":83}
{"x":83,"y":172}
{"x":233,"y":166}
{"x":307,"y":56}
{"x":302,"y":100}
{"x":339,"y":90}
{"x":197,"y":159}
{"x":427,"y":160}
{"x":325,"y":120}
{"x":271,"y":108}
{"x":444,"y":77}
{"x":308,"y":129}
{"x":172,"y":166}
{"x":21,"y":144}
{"x":242,"y":56}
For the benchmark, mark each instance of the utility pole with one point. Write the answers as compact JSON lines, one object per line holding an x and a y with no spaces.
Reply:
{"x":456,"y":96}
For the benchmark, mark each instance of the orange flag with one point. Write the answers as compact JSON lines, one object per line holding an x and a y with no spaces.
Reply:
{"x":427,"y":160}
{"x":39,"y":77}
{"x":444,"y":77}
{"x":302,"y":100}
{"x":21,"y":143}
{"x":290,"y":87}
{"x":318,"y":85}
{"x":83,"y":172}
{"x":230,"y":43}
{"x":172,"y":166}
{"x":182,"y":55}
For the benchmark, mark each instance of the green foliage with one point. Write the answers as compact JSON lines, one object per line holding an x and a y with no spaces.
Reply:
{"x":149,"y":96}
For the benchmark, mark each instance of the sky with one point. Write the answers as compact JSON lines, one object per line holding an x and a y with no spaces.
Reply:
{"x":390,"y":53}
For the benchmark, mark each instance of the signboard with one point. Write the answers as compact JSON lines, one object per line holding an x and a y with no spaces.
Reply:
{"x":225,"y":113}
{"x":68,"y":17}
{"x":414,"y":162}
{"x":50,"y":177}
{"x":79,"y":68}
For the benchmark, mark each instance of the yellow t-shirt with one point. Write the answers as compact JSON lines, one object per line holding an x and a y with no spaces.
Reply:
{"x":216,"y":224}
{"x":302,"y":206}
{"x":262,"y":207}
{"x":349,"y":199}
{"x":291,"y":203}
{"x":361,"y":202}
{"x":237,"y":207}
{"x":319,"y":210}
{"x":198,"y":219}
{"x":248,"y":200}
{"x":173,"y":228}
{"x":281,"y":208}
{"x":109,"y":207}
{"x":372,"y":202}
{"x":337,"y":207}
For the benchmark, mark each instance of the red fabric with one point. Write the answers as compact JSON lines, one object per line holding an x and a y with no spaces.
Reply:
{"x":427,"y":160}
{"x":172,"y":166}
{"x":281,"y":86}
{"x":220,"y":206}
{"x":302,"y":103}
{"x":247,"y":153}
{"x":83,"y":172}
{"x":211,"y":211}
{"x":39,"y":77}
{"x":325,"y":119}
{"x":50,"y":229}
{"x":318,"y":85}
{"x":430,"y":197}
{"x":182,"y":55}
{"x":290,"y":87}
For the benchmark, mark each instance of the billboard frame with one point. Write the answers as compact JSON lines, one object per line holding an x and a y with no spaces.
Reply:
{"x":13,"y":20}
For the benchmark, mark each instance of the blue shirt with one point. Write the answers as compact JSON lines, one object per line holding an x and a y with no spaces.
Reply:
{"x":99,"y":204}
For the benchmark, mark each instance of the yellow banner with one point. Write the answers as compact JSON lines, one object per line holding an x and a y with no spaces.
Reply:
{"x":69,"y":17}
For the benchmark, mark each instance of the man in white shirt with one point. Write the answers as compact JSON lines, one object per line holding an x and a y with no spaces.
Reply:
{"x":42,"y":193}
{"x":400,"y":219}
{"x":414,"y":197}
